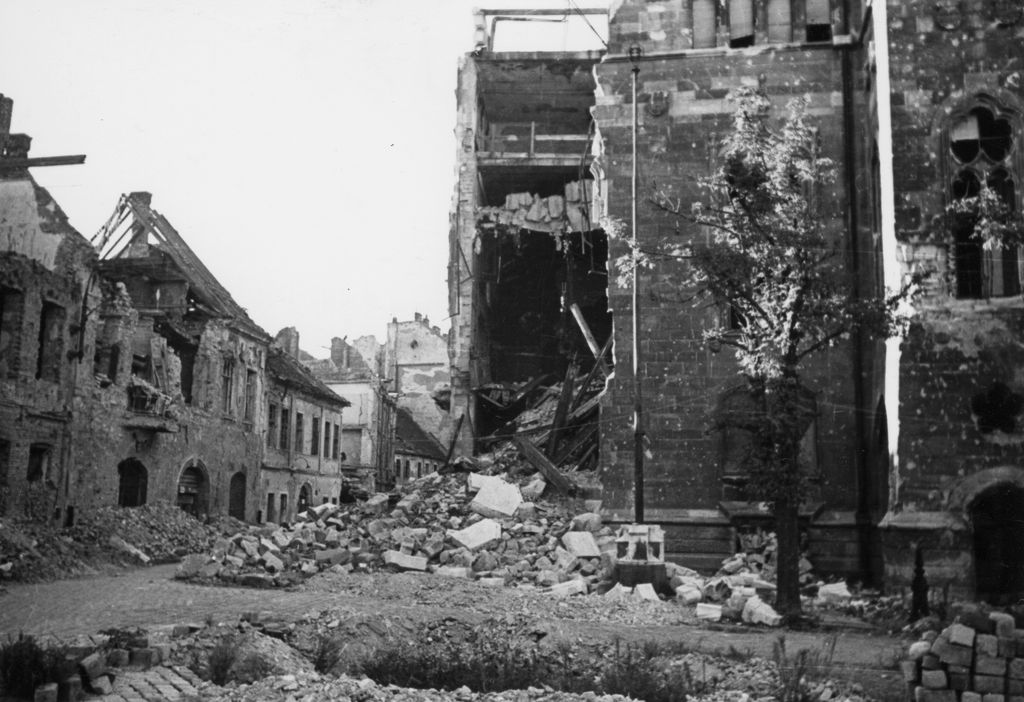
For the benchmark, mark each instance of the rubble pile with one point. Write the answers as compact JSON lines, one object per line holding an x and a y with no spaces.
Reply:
{"x":153,"y":533}
{"x":459,"y":525}
{"x":980,"y":657}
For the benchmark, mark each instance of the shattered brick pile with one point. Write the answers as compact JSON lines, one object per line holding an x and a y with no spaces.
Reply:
{"x":467,"y":526}
{"x":157,"y":532}
{"x":980,"y":659}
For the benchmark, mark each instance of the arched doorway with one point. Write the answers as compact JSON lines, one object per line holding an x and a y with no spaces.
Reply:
{"x":132,"y":483}
{"x":997,"y":515}
{"x":305,"y":498}
{"x":194,"y":490}
{"x":236,"y":496}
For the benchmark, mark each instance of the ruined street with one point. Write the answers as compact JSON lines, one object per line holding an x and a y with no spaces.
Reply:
{"x":150,"y":598}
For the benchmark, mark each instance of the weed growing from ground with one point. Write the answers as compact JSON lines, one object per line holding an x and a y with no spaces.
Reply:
{"x":220,"y":659}
{"x":795,"y":670}
{"x":25,"y":664}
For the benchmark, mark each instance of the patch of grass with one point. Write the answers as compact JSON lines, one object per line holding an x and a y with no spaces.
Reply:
{"x":645,"y":671}
{"x":328,"y":651}
{"x":222,"y":656}
{"x":797,"y":669}
{"x":25,"y":664}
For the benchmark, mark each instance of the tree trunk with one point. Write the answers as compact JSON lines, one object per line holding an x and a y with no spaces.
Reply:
{"x":787,"y":559}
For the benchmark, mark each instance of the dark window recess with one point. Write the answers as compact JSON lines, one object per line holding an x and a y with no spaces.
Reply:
{"x":741,"y":24}
{"x":299,"y":444}
{"x":132,"y":483}
{"x":5,"y":462}
{"x":38,"y":462}
{"x":227,"y":385}
{"x":819,"y":20}
{"x":272,"y":426}
{"x":997,"y":408}
{"x":51,"y":342}
{"x":285,"y":415}
{"x":336,"y":440}
{"x":327,"y":439}
{"x":12,"y":306}
{"x":314,"y":444}
{"x":250,"y":395}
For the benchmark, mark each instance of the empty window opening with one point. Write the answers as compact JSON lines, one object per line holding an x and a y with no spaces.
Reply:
{"x":997,"y":518}
{"x":327,"y":439}
{"x":741,"y":23}
{"x":704,"y":24}
{"x":193,"y":491}
{"x":5,"y":463}
{"x":996,"y":409}
{"x":236,"y":496}
{"x":272,"y":425}
{"x":132,"y":483}
{"x":314,"y":444}
{"x":305,"y":498}
{"x":105,"y":363}
{"x":39,"y":456}
{"x":185,"y":347}
{"x":285,"y":415}
{"x":271,"y":508}
{"x":780,"y":21}
{"x":299,"y":446}
{"x":12,"y":306}
{"x":227,"y":385}
{"x":819,"y":20}
{"x":283,"y":507}
{"x":336,"y":439}
{"x":250,"y":395}
{"x":51,"y":342}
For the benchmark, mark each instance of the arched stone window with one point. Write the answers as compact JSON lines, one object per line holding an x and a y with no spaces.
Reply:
{"x":981,"y":150}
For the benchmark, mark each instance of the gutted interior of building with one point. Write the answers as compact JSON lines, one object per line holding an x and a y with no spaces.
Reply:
{"x":528,"y":278}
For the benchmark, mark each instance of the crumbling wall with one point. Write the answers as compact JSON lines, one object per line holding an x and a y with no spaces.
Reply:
{"x":416,"y":360}
{"x":959,"y":364}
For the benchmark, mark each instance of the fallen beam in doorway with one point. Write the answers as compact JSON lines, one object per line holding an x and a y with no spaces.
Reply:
{"x":539,"y":461}
{"x":561,"y":410}
{"x":598,"y":351}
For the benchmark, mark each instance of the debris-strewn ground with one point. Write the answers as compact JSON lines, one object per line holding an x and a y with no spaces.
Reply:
{"x":31,"y":551}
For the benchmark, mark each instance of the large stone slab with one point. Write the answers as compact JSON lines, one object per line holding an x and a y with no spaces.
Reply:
{"x":477,"y":536}
{"x":405,"y":561}
{"x":497,"y":498}
{"x":581,"y":544}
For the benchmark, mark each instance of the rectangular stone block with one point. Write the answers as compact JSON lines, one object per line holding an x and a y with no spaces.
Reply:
{"x":970,"y":696}
{"x":934,"y":679}
{"x":988,"y":683}
{"x":930,"y":661}
{"x":405,"y":561}
{"x":951,"y":654}
{"x":1014,"y":687}
{"x":70,"y":690}
{"x":993,"y":697}
{"x":46,"y":693}
{"x":986,"y":645}
{"x":581,"y":544}
{"x":497,"y":498}
{"x":92,"y":666}
{"x":477,"y":536}
{"x":923,"y":694}
{"x":959,"y":681}
{"x":988,"y":665}
{"x":961,"y":635}
{"x":1005,"y":623}
{"x":1016,"y":668}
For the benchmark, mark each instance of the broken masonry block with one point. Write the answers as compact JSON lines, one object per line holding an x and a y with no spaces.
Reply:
{"x":476,"y":536}
{"x":910,"y":671}
{"x":70,"y":689}
{"x":405,"y":561}
{"x":102,"y":685}
{"x":757,"y":611}
{"x":272,"y":563}
{"x":118,"y":657}
{"x":1016,"y":668}
{"x":569,"y":587}
{"x":961,"y":635}
{"x":930,"y":661}
{"x":1005,"y":623}
{"x":376,"y":504}
{"x":923,"y":694}
{"x":710,"y":612}
{"x":454,"y":572}
{"x":645,"y":591}
{"x":581,"y":544}
{"x":144,"y":657}
{"x":959,"y":681}
{"x":918,"y":649}
{"x":1007,"y":647}
{"x":993,"y":697}
{"x":689,"y":594}
{"x":934,"y":679}
{"x":990,"y":665}
{"x":1014,"y":687}
{"x":987,"y":683}
{"x":986,"y":645}
{"x":92,"y":666}
{"x":496,"y":498}
{"x":588,"y":521}
{"x":46,"y":693}
{"x":970,"y":696}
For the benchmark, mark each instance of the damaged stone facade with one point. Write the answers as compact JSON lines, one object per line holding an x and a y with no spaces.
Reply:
{"x":957,"y":489}
{"x":355,"y":371}
{"x":916,"y":444}
{"x":302,"y":466}
{"x":416,"y":366}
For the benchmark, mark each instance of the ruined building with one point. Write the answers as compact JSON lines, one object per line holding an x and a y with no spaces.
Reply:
{"x":417,"y":453}
{"x":303,"y":462}
{"x":416,"y":366}
{"x":916,"y":445}
{"x":354,"y":371}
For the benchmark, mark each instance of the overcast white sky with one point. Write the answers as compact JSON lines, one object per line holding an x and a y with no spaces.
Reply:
{"x":303,"y":148}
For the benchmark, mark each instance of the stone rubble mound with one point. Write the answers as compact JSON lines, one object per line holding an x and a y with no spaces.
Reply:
{"x":459,"y":525}
{"x":980,"y":657}
{"x":158,"y":532}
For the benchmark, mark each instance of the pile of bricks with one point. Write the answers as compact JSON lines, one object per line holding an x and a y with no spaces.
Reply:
{"x":981,"y":660}
{"x":464,"y":525}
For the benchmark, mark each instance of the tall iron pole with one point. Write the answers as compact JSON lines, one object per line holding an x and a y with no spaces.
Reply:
{"x":638,"y":416}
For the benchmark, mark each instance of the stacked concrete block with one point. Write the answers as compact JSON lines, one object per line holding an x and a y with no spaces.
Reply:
{"x":980,"y":662}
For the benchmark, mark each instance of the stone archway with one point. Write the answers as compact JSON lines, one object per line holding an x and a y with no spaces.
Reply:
{"x":997,"y":518}
{"x":194,"y":489}
{"x":236,"y":496}
{"x":132,"y":483}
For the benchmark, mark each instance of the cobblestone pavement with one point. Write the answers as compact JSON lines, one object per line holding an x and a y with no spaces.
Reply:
{"x":152,"y":599}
